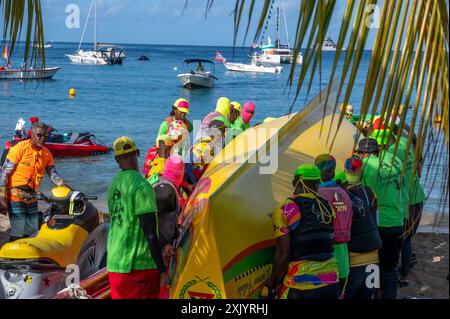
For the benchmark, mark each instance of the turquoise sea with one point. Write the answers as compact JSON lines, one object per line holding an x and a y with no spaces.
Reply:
{"x":134,"y":98}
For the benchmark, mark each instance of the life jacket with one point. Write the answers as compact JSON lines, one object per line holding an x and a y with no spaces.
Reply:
{"x":312,"y":236}
{"x":8,"y":145}
{"x":149,"y":158}
{"x":170,"y":126}
{"x":205,"y":123}
{"x":342,"y":205}
{"x":364,"y":233}
{"x":168,"y":220}
{"x":179,"y":192}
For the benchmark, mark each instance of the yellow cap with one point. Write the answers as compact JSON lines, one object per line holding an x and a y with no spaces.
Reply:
{"x":182,"y":105}
{"x":124,"y":145}
{"x":237,"y":106}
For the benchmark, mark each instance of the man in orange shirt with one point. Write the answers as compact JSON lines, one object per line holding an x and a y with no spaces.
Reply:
{"x":20,"y":178}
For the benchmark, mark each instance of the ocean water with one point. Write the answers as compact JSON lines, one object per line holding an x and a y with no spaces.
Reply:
{"x":134,"y":98}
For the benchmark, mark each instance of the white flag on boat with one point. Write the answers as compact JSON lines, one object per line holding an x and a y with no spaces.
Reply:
{"x":220,"y":58}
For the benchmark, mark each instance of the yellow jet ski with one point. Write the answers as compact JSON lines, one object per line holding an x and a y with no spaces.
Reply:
{"x":70,"y":246}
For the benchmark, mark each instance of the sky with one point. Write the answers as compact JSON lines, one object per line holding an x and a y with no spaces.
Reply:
{"x":163,"y":22}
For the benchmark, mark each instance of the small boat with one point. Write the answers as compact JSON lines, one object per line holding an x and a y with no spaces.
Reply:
{"x":143,"y":58}
{"x":329,"y":45}
{"x":198,"y":78}
{"x":47,"y":45}
{"x":253,"y":67}
{"x":27,"y":74}
{"x":75,"y":144}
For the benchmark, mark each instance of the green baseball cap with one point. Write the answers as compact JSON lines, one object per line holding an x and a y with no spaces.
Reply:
{"x":309,"y":172}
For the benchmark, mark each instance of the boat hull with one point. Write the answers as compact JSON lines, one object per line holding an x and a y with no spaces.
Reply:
{"x":191,"y":81}
{"x":240,"y":67}
{"x":86,"y":60}
{"x":38,"y":74}
{"x":78,"y":150}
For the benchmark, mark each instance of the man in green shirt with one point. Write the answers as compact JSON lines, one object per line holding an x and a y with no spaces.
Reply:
{"x":416,"y":199}
{"x":382,"y":175}
{"x":135,"y":265}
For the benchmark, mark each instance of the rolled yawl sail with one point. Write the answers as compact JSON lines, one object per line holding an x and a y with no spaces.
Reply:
{"x":226,"y":245}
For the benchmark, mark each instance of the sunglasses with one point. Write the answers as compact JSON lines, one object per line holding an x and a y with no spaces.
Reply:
{"x":41,"y":135}
{"x":250,"y":112}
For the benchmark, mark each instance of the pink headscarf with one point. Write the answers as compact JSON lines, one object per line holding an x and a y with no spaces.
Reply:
{"x":246,"y":116}
{"x":174,"y":170}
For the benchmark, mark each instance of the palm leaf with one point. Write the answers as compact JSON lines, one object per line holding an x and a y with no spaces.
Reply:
{"x":14,"y":13}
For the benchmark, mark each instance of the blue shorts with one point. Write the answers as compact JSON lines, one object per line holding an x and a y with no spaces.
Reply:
{"x":23,"y":218}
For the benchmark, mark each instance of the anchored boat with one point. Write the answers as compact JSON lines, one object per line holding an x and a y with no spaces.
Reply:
{"x":198,"y":78}
{"x":27,"y":74}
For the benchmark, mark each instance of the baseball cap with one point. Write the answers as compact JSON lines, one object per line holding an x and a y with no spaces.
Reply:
{"x":182,"y":105}
{"x":124,"y":145}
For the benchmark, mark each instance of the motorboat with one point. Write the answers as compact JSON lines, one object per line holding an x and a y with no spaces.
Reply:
{"x":28,"y":73}
{"x":198,"y":78}
{"x":253,"y":67}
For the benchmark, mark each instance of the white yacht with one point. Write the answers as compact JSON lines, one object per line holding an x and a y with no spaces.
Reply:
{"x":329,"y":45}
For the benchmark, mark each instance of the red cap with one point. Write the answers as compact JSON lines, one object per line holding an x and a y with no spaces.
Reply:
{"x":34,"y":119}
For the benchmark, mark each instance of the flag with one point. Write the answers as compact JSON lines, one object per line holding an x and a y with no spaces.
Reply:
{"x":220,"y":58}
{"x":5,"y":56}
{"x":5,"y":53}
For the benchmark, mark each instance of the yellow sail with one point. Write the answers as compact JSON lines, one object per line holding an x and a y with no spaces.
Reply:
{"x":226,"y":245}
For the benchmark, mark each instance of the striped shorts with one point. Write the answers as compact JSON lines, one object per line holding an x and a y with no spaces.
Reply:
{"x":23,"y":218}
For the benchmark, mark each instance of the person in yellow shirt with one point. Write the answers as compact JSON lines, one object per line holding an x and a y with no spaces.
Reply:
{"x":20,"y":178}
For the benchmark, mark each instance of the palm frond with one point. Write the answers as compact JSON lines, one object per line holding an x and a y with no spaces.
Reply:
{"x":15,"y":14}
{"x":410,"y":54}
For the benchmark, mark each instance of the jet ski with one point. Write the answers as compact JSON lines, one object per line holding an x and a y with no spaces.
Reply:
{"x":75,"y":144}
{"x":69,"y":247}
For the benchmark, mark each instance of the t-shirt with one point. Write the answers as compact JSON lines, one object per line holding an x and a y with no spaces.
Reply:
{"x":129,"y":196}
{"x":303,"y":274}
{"x":31,"y":164}
{"x":384,"y":180}
{"x":416,"y":193}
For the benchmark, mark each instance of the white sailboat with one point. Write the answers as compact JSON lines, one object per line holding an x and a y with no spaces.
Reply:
{"x":277,"y":53}
{"x":95,"y":57}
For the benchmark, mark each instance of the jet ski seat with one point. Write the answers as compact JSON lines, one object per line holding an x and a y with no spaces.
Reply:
{"x":59,"y":245}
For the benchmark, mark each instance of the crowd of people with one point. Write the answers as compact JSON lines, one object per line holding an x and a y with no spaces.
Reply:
{"x":340,"y":235}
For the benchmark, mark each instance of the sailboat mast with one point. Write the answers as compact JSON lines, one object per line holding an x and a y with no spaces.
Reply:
{"x":285,"y":24}
{"x":95,"y":25}
{"x":277,"y":42}
{"x":85,"y":25}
